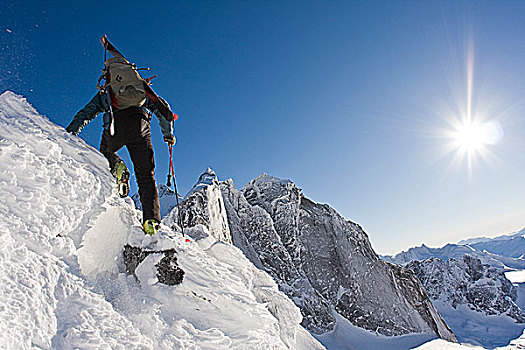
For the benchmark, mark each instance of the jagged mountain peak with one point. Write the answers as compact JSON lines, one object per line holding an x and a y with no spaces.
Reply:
{"x":165,"y":190}
{"x":266,"y":181}
{"x":208,"y":176}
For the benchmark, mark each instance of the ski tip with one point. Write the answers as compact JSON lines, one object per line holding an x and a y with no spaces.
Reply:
{"x":104,"y":39}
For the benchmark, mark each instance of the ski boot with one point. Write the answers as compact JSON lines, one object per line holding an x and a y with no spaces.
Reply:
{"x":151,"y":227}
{"x":122,"y":175}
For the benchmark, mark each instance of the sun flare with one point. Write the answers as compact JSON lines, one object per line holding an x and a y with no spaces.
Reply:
{"x":472,"y":137}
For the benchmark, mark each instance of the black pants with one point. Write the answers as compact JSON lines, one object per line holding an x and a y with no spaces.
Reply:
{"x":132,"y":129}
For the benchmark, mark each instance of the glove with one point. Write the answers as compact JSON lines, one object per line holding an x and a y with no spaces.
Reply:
{"x":170,"y":140}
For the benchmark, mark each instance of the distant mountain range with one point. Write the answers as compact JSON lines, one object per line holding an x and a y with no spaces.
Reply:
{"x":507,"y":251}
{"x":512,"y":246}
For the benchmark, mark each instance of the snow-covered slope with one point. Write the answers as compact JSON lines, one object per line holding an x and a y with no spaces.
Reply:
{"x":62,"y":280}
{"x":439,"y":344}
{"x":319,"y":259}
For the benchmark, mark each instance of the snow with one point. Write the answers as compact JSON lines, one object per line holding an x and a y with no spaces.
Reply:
{"x":517,"y":276}
{"x":478,"y":329}
{"x":521,"y":295}
{"x":346,"y":336}
{"x":62,"y":284}
{"x":440,"y":344}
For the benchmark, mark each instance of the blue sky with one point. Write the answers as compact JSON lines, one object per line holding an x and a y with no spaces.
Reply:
{"x":349,"y":99}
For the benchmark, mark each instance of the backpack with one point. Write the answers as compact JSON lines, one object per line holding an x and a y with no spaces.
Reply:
{"x":124,"y":84}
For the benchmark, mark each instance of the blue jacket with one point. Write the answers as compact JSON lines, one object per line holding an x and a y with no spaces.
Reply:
{"x":99,"y":104}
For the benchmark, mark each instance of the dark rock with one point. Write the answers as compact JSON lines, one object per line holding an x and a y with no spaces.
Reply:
{"x":133,"y":256}
{"x":168,"y":271}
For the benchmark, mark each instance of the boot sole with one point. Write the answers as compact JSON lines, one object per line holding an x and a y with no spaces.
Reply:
{"x":123,"y":185}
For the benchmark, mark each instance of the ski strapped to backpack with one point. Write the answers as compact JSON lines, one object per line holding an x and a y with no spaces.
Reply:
{"x":124,"y":85}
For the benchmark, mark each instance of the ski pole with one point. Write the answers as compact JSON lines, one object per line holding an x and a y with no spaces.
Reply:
{"x":168,"y":183}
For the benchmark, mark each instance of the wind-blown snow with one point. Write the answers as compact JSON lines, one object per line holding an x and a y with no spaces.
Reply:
{"x":62,"y":284}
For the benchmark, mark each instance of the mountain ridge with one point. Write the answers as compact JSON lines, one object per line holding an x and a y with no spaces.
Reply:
{"x":271,"y":219}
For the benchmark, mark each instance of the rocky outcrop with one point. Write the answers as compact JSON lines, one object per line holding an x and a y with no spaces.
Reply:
{"x":203,"y":205}
{"x":467,"y":281}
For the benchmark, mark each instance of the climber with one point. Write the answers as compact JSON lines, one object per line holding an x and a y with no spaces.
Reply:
{"x":128,"y":105}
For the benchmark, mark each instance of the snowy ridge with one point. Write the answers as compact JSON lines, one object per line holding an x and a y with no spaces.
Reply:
{"x":511,"y":247}
{"x":62,"y":282}
{"x":475,"y":240}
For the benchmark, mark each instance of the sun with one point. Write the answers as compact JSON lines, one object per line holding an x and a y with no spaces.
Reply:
{"x":471,"y":137}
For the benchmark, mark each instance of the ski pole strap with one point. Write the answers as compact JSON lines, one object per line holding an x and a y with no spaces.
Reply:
{"x":172,"y":170}
{"x":170,"y":167}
